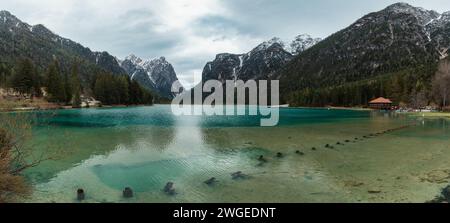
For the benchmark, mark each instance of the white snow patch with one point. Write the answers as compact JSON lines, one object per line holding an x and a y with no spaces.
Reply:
{"x":241,"y":60}
{"x":443,"y":53}
{"x":428,"y":36}
{"x":436,"y":19}
{"x":151,"y":77}
{"x":234,"y":74}
{"x":132,"y":75}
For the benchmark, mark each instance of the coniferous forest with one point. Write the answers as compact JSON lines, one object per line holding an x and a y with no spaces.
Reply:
{"x":66,"y":88}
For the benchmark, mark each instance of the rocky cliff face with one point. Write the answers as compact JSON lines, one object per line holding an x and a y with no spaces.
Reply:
{"x":260,"y":63}
{"x":438,"y":31}
{"x":156,"y":75}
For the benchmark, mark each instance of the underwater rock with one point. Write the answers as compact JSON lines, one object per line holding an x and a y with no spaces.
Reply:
{"x":313,"y":149}
{"x":279,"y":155}
{"x":352,"y":183}
{"x":446,"y":193}
{"x":168,"y":189}
{"x":299,"y":153}
{"x":127,"y":192}
{"x":211,"y":181}
{"x":444,"y":197}
{"x":436,"y":176}
{"x":80,"y":194}
{"x":238,"y":175}
{"x":262,"y":159}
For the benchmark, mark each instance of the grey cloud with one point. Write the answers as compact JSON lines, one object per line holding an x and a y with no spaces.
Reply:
{"x":220,"y":25}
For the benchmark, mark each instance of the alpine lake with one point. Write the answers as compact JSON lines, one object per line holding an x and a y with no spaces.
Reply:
{"x":312,"y":155}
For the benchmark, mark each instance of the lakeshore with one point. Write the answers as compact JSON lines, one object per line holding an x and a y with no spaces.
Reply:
{"x":42,"y":105}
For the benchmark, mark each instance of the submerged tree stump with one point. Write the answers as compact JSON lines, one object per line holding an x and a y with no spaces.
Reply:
{"x":168,"y":189}
{"x":127,"y":192}
{"x":211,"y":181}
{"x":262,"y":159}
{"x":80,"y":194}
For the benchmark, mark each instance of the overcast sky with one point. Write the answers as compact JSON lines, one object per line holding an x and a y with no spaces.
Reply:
{"x":191,"y":32}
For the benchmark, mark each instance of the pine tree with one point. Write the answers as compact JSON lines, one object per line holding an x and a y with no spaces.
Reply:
{"x":122,"y":87}
{"x":76,"y":87}
{"x":37,"y":83}
{"x":135,"y":93}
{"x":24,"y":77}
{"x":67,"y":89}
{"x":101,"y":89}
{"x":4,"y":75}
{"x":55,"y":88}
{"x":115,"y":89}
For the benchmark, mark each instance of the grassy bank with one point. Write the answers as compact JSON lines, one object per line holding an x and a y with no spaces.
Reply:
{"x":26,"y":104}
{"x":430,"y":114}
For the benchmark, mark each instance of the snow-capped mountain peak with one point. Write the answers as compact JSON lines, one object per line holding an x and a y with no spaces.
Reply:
{"x":271,"y":42}
{"x":154,"y":74}
{"x":134,"y":59}
{"x":301,"y":43}
{"x":423,"y":16}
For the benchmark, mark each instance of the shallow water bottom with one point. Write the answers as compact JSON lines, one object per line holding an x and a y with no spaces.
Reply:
{"x":408,"y":164}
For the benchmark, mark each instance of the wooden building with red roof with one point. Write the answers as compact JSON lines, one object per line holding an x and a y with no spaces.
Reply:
{"x":380,"y":103}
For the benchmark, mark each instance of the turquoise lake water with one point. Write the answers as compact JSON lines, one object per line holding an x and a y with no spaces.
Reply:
{"x":106,"y":150}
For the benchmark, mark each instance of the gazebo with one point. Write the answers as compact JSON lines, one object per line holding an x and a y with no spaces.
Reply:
{"x":380,"y":103}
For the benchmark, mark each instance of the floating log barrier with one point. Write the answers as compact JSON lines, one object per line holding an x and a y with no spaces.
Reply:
{"x":383,"y":132}
{"x":168,"y":189}
{"x":127,"y":192}
{"x":80,"y":194}
{"x":211,"y":181}
{"x":279,"y":155}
